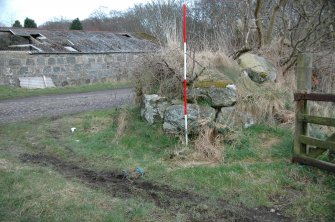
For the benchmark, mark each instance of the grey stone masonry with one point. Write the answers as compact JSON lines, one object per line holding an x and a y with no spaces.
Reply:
{"x":65,"y":69}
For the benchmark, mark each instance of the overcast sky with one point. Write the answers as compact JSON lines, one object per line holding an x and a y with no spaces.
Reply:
{"x":46,"y":10}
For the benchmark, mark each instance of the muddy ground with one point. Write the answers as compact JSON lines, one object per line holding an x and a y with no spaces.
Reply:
{"x":57,"y":105}
{"x":194,"y":206}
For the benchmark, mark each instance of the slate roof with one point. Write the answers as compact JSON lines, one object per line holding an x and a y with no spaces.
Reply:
{"x":56,"y":41}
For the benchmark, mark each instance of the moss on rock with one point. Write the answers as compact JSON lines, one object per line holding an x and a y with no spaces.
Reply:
{"x":208,"y":84}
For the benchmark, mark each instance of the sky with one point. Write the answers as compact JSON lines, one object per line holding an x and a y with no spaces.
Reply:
{"x":47,"y":10}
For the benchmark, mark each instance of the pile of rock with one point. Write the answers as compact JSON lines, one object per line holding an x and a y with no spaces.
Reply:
{"x":211,"y":101}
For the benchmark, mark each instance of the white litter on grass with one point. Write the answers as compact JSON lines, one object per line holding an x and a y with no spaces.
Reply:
{"x":249,"y":120}
{"x":231,"y":86}
{"x":77,"y":140}
{"x":73,"y":129}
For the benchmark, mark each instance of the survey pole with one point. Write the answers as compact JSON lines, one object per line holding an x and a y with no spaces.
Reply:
{"x":185,"y":79}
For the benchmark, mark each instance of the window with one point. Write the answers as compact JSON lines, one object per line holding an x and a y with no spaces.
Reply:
{"x":38,"y":37}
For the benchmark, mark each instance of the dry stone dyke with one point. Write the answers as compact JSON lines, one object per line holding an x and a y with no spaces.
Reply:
{"x":154,"y":108}
{"x":197,"y":116}
{"x":214,"y":96}
{"x":67,"y":69}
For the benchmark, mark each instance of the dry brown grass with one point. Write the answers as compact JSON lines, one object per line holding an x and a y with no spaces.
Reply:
{"x":9,"y":166}
{"x":262,"y":101}
{"x":208,"y":146}
{"x":205,"y":149}
{"x":99,"y":124}
{"x":122,"y":123}
{"x":214,"y":59}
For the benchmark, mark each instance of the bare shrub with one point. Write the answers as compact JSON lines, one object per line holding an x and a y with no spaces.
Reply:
{"x":324,"y":69}
{"x":160,"y":73}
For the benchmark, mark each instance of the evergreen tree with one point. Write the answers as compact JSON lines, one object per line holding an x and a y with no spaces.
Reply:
{"x":29,"y":23}
{"x":76,"y":25}
{"x":17,"y":24}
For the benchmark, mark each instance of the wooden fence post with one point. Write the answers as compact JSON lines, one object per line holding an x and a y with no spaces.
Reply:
{"x":304,"y":84}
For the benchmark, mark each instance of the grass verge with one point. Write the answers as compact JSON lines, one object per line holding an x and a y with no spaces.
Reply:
{"x":256,"y":171}
{"x":7,"y":92}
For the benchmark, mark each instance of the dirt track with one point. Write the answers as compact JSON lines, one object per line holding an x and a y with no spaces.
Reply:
{"x":194,"y":206}
{"x":50,"y":106}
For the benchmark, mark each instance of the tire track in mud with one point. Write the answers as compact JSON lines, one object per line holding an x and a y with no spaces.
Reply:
{"x":194,"y":206}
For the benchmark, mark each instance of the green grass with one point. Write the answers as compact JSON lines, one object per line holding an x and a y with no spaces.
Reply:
{"x":256,"y":174}
{"x":39,"y":194}
{"x":256,"y":170}
{"x":7,"y":92}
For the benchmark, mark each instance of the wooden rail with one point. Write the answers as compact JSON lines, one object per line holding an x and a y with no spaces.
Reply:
{"x":316,"y":142}
{"x":317,"y":120}
{"x":314,"y":97}
{"x":306,"y":149}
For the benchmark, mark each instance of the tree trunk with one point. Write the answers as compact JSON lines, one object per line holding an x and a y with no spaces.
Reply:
{"x":259,"y":23}
{"x":272,"y":21}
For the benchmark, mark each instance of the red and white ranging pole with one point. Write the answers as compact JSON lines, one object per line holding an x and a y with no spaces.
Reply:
{"x":185,"y":81}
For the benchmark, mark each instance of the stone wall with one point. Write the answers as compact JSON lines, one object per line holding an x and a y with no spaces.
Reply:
{"x":67,"y":69}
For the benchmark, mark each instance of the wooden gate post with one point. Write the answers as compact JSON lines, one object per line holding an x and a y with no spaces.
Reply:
{"x":304,"y":85}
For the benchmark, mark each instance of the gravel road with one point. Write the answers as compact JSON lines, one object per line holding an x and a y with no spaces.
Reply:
{"x":49,"y":106}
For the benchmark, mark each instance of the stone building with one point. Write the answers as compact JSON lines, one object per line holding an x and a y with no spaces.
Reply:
{"x":70,"y":57}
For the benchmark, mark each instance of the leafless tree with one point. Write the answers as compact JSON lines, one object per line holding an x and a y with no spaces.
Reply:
{"x":56,"y":23}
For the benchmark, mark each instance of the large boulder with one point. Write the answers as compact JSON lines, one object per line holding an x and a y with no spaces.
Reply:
{"x":216,"y":74}
{"x":213,"y":88}
{"x":229,"y":117}
{"x":225,"y":118}
{"x":154,"y":108}
{"x":258,"y":68}
{"x":213,"y":93}
{"x":174,"y":120}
